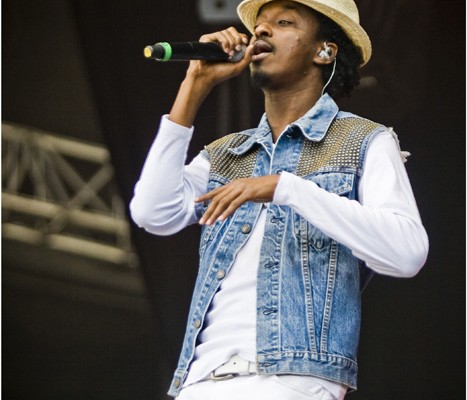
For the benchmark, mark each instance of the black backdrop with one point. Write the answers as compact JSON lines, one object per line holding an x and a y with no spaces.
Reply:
{"x":413,"y":336}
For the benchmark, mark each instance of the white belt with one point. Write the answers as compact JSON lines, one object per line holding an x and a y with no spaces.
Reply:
{"x":236,"y":366}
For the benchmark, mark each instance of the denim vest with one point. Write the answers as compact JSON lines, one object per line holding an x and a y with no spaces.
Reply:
{"x":308,"y":285}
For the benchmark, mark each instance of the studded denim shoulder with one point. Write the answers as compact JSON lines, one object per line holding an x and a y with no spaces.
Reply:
{"x":340,"y":148}
{"x":228,"y":165}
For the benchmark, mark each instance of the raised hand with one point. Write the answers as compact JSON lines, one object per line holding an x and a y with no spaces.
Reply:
{"x":202,"y":76}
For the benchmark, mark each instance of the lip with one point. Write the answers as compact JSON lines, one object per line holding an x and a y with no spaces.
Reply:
{"x":261,"y":49}
{"x":258,"y":57}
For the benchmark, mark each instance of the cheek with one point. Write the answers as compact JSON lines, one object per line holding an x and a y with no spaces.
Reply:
{"x":293,"y":44}
{"x":299,"y":52}
{"x":298,"y":47}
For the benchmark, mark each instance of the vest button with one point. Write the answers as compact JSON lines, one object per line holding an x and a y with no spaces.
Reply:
{"x":197,"y":323}
{"x":220,"y":274}
{"x":177,"y":383}
{"x":246,"y":228}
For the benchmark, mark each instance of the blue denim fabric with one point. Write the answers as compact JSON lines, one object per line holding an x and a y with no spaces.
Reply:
{"x":308,"y":287}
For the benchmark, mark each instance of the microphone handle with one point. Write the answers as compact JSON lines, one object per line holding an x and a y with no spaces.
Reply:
{"x":185,"y":51}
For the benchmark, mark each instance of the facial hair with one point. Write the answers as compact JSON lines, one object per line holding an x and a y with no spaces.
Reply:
{"x":260,"y":79}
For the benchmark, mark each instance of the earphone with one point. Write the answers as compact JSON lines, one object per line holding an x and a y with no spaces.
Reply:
{"x":326,"y":53}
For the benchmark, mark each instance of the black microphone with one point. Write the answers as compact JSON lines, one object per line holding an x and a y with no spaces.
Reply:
{"x":185,"y":51}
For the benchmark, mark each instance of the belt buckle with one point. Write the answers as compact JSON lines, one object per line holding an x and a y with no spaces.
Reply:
{"x":221,"y":377}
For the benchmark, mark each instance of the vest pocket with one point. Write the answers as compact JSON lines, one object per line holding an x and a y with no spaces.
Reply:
{"x":308,"y":232}
{"x":338,"y":183}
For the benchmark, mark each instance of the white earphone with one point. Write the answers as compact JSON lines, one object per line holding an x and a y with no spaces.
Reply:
{"x":326,"y":53}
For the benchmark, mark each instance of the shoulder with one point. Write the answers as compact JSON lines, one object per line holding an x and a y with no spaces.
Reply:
{"x":230,"y":140}
{"x":355,"y":123}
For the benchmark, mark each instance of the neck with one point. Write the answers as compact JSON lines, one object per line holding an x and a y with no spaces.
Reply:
{"x":285,"y":106}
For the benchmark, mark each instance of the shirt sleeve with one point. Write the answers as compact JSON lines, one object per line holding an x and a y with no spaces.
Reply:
{"x":384,"y":229}
{"x":163,"y":200}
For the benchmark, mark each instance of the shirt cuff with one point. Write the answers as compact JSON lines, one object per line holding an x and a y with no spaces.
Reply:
{"x":175,"y":129}
{"x":284,"y":188}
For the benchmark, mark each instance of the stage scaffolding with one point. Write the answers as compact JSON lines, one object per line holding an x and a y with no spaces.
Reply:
{"x":59,"y":192}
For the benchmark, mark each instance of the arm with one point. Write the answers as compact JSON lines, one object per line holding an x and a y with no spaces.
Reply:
{"x":384,"y":229}
{"x":163,"y":198}
{"x":202,"y":76}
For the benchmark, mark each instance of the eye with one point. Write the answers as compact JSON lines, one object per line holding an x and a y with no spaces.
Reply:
{"x":284,"y":22}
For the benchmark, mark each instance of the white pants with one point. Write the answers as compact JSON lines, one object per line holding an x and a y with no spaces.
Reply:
{"x":254,"y":387}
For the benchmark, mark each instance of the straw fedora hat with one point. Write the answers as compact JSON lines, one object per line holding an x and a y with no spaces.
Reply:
{"x":343,"y":12}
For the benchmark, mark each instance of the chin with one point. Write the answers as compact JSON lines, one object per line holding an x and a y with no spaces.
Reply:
{"x":260,"y":78}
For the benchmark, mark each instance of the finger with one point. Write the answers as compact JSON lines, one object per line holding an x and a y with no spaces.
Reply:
{"x":247,"y":56}
{"x":224,"y":38}
{"x":214,"y":210}
{"x":243,"y":192}
{"x":207,"y":198}
{"x":230,"y":39}
{"x":239,"y":39}
{"x":219,"y":203}
{"x":217,"y":37}
{"x":233,"y":205}
{"x":209,"y":195}
{"x":224,"y":207}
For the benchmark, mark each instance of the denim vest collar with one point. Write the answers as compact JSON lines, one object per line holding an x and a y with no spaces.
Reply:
{"x":313,"y":125}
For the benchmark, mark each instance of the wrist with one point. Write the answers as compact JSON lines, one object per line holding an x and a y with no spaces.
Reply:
{"x":190,"y":96}
{"x":198,"y":80}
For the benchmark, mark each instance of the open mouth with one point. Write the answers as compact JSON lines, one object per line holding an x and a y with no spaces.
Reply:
{"x":261,"y":49}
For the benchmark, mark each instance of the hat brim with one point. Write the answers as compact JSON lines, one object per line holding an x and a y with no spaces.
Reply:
{"x":248,"y":11}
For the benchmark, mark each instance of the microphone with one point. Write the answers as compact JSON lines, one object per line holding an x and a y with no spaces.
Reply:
{"x":185,"y":51}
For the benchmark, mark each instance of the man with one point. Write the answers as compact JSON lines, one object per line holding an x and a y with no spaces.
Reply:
{"x":296,"y":213}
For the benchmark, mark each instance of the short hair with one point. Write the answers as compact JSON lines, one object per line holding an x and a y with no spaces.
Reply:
{"x":347,"y":74}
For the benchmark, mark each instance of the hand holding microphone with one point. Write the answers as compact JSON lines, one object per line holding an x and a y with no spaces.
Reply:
{"x":228,"y":45}
{"x":201,"y":76}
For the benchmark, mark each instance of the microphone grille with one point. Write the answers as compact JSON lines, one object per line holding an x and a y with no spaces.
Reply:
{"x":238,"y":55}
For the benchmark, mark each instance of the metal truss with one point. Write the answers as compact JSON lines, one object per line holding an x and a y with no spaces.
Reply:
{"x":60,"y":193}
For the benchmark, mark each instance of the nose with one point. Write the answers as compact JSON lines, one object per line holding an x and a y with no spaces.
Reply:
{"x":262,"y":29}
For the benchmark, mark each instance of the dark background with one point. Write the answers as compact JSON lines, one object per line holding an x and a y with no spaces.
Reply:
{"x":76,"y":67}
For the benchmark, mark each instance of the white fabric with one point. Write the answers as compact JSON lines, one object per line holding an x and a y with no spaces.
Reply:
{"x":230,"y":325}
{"x":255,"y":387}
{"x":384,"y":230}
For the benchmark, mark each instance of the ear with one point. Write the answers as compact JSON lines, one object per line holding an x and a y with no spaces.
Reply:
{"x":326,"y":53}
